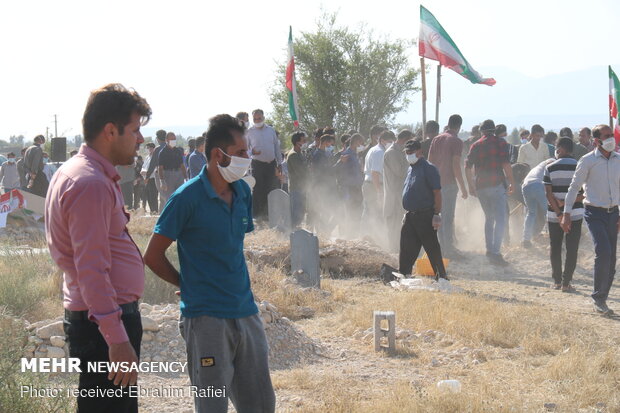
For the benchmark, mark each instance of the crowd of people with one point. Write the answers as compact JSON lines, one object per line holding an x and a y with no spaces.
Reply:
{"x":399,"y":188}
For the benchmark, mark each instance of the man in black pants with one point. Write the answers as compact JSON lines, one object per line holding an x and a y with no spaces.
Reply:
{"x":150,"y":188}
{"x":422,"y":201}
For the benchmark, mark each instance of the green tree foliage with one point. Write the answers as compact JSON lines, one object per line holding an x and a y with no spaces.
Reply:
{"x":346,"y":78}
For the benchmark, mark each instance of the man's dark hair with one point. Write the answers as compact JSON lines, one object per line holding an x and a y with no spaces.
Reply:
{"x":201,"y":140}
{"x":344,"y":139}
{"x":376,"y":130}
{"x":588,"y":130}
{"x":219,"y":134}
{"x":566,"y":143}
{"x":328,"y":138}
{"x":356,"y":137}
{"x":387,"y":135}
{"x":39,"y":138}
{"x":413,"y":145}
{"x":431,"y":128}
{"x":455,"y":122}
{"x":192,"y":144}
{"x":242,"y":115}
{"x":351,"y":132}
{"x":10,"y":154}
{"x":115,"y":104}
{"x":524,"y":133}
{"x":567,"y":132}
{"x":161,"y":135}
{"x":405,"y":135}
{"x":73,"y":153}
{"x":596,"y":131}
{"x":318,"y":133}
{"x":296,"y":137}
{"x":150,"y":145}
{"x":328,"y":130}
{"x":255,"y":111}
{"x":501,"y":128}
{"x":537,"y":129}
{"x":551,"y":137}
{"x":487,"y":126}
{"x":24,"y":150}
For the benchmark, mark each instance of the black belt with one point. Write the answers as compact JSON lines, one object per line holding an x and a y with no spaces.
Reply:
{"x":421,"y":211}
{"x":607,"y":210}
{"x":129,"y":308}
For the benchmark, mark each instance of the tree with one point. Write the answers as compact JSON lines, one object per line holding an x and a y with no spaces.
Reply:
{"x":349,"y":79}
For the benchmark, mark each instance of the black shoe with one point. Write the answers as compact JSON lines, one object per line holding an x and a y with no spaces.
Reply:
{"x":497,"y":259}
{"x":444,"y":277}
{"x":601,"y":308}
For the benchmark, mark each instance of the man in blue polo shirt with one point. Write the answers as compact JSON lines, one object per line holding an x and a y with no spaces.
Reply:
{"x":209,"y":216}
{"x":422,"y":201}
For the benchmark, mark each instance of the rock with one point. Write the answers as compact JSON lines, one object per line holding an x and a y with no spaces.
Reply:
{"x":453,"y":386}
{"x":35,"y":340}
{"x":57,"y":341}
{"x":158,"y":359}
{"x":42,"y":349}
{"x":145,"y":308}
{"x":39,"y":354}
{"x":266,"y":317}
{"x":55,"y":352}
{"x":148,"y":324}
{"x":550,"y":406}
{"x":306,"y":312}
{"x":30,"y":348}
{"x":147,"y":337}
{"x":53,"y":329}
{"x":435,"y":363}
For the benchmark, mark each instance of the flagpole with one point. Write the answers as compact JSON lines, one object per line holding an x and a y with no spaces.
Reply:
{"x":423,"y":69}
{"x":438,"y":93}
{"x":611,"y":119}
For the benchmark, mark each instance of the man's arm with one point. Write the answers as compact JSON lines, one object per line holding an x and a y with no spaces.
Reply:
{"x":553,"y":201}
{"x":470,"y":181}
{"x":508,"y":174}
{"x":522,"y":156}
{"x":184,"y":171}
{"x":581,"y":174}
{"x":456,"y":167}
{"x":154,"y":162}
{"x":437,"y":196}
{"x":155,"y":258}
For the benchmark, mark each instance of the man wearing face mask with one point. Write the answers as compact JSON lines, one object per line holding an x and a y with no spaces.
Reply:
{"x":298,"y":177}
{"x":395,"y":168}
{"x":422,"y":201}
{"x":351,"y":179}
{"x":373,"y":183}
{"x":535,"y":151}
{"x":264,"y":147}
{"x":209,"y":217}
{"x":599,"y":173}
{"x":322,"y":178}
{"x":585,"y":143}
{"x":33,"y":167}
{"x":9,"y":177}
{"x":171,"y":170}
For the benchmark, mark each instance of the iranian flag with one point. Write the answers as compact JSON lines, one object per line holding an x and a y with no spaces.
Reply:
{"x":614,"y":101}
{"x":436,"y":44}
{"x":291,"y":85}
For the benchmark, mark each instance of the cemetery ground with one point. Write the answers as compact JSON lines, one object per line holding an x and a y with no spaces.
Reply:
{"x":512,"y":342}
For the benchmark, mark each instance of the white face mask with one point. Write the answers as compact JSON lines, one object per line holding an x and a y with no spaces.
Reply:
{"x":247,"y":124}
{"x":237,"y":168}
{"x":329,"y":149}
{"x":412,"y":158}
{"x":523,"y":141}
{"x":172,"y":144}
{"x":360,"y":149}
{"x":609,"y":144}
{"x":11,"y":160}
{"x":259,"y":124}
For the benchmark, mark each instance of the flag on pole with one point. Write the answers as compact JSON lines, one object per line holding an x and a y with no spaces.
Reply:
{"x":436,"y":44}
{"x":614,"y":101}
{"x":291,"y":84}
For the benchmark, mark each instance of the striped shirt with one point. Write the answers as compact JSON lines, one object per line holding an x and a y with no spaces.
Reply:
{"x":559,"y":175}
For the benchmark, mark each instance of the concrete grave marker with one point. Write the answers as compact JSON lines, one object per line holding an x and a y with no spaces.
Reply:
{"x":305,"y":261}
{"x":279,"y":209}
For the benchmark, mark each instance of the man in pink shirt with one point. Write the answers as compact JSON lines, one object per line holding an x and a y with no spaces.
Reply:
{"x":86,"y":227}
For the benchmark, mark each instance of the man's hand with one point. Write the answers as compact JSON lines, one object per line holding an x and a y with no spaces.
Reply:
{"x":123,"y":352}
{"x":344,"y":158}
{"x":464,"y":193}
{"x":510,"y":189}
{"x":436,"y":221}
{"x":163,"y":186}
{"x":255,"y":152}
{"x":565,"y":223}
{"x":472,"y":192}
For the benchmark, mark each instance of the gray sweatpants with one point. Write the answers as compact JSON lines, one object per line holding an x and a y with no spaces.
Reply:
{"x":231,"y":355}
{"x":173,"y":180}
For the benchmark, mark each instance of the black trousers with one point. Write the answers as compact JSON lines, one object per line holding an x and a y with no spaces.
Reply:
{"x":417,"y":232}
{"x":127,"y":190}
{"x":87,"y":344}
{"x":556,"y":238}
{"x":265,"y":175}
{"x":40,"y":185}
{"x":151,"y":195}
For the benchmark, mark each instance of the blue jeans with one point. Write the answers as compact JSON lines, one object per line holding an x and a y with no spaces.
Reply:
{"x":493,"y":202}
{"x":298,"y":207}
{"x":604,"y":230}
{"x":448,"y":206}
{"x":536,"y":203}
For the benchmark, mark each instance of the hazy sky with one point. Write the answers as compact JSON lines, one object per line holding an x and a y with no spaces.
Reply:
{"x":194,"y":59}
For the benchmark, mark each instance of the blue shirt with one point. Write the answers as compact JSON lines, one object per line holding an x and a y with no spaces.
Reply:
{"x":422,"y":179}
{"x":214,"y":276}
{"x":350,"y":173}
{"x":196,"y":161}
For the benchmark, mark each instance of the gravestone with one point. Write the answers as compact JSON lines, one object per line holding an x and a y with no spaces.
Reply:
{"x":305,"y":261}
{"x":279,"y":210}
{"x":385,"y":335}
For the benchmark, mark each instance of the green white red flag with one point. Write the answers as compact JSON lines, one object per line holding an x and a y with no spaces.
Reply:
{"x":436,"y":44}
{"x":291,"y":84}
{"x":614,"y":102}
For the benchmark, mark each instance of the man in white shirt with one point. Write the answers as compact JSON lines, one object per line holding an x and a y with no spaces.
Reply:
{"x":599,"y":172}
{"x":535,"y":151}
{"x":264,"y":149}
{"x":372,"y":189}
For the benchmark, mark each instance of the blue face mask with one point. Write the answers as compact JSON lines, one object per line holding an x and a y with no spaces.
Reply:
{"x":329,"y":149}
{"x":45,"y":160}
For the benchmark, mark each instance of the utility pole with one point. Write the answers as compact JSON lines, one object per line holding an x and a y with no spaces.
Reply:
{"x":47,"y":133}
{"x":55,"y":126}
